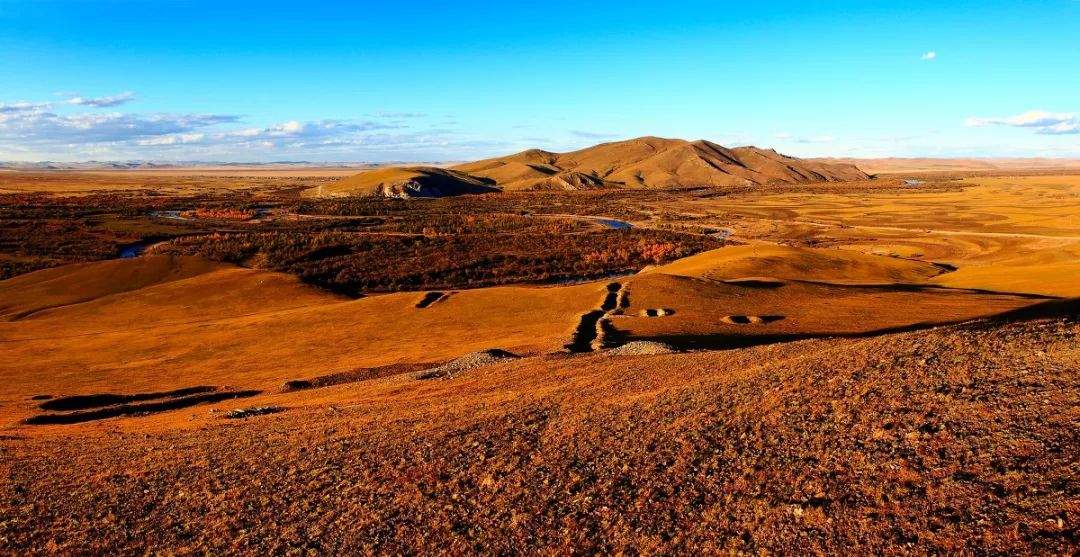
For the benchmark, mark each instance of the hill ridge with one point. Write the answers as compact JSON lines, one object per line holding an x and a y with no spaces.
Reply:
{"x":658,"y":162}
{"x":644,"y":162}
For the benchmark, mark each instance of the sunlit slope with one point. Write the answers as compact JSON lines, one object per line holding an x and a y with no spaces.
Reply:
{"x":922,"y":440}
{"x":794,"y":263}
{"x":1054,"y":271}
{"x":82,"y":282}
{"x":251,"y":328}
{"x":645,"y":162}
{"x":226,"y":325}
{"x":694,"y":312}
{"x":1009,"y":233}
{"x":655,"y":162}
{"x":223,"y":291}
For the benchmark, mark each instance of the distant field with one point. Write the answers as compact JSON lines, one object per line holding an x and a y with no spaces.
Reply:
{"x":919,"y":165}
{"x":166,"y":182}
{"x":1001,"y":233}
{"x":252,"y":171}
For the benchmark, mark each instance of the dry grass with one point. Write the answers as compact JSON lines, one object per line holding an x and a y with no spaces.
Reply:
{"x":943,"y":441}
{"x":162,"y":182}
{"x":944,"y":438}
{"x":654,"y":162}
{"x":1016,"y":234}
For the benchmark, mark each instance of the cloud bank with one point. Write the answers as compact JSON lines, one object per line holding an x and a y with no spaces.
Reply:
{"x":1041,"y":121}
{"x":60,"y":131}
{"x":102,"y":102}
{"x":22,"y":106}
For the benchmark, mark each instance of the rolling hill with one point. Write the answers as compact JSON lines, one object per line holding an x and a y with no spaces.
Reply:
{"x":645,"y":162}
{"x":901,"y":165}
{"x":927,"y":438}
{"x":654,"y":162}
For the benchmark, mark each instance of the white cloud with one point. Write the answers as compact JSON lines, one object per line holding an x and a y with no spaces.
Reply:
{"x":30,"y":131}
{"x":23,"y":106}
{"x":49,"y":127}
{"x":1043,"y":122}
{"x":177,"y":139}
{"x":1064,"y":128}
{"x":291,"y":127}
{"x":102,"y":102}
{"x":1029,"y":119}
{"x":929,"y":56}
{"x":249,"y":132}
{"x":294,"y":129}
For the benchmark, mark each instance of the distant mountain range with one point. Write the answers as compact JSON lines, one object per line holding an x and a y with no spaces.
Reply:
{"x":151,"y":165}
{"x":898,"y":165}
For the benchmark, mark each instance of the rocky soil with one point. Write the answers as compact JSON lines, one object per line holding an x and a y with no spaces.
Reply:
{"x":960,"y":439}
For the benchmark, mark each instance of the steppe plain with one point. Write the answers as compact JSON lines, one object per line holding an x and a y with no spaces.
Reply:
{"x":212,"y":362}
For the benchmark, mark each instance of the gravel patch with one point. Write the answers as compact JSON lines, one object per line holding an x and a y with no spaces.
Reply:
{"x":241,"y":413}
{"x":642,"y":348}
{"x":469,"y":361}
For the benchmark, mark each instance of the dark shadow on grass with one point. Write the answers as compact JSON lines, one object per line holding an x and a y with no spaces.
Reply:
{"x":83,"y":402}
{"x":353,"y":376}
{"x":136,"y":409}
{"x":1051,"y":309}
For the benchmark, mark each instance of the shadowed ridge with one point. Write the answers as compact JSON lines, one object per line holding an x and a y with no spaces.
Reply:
{"x":570,"y":180}
{"x":405,"y":182}
{"x":1051,"y":309}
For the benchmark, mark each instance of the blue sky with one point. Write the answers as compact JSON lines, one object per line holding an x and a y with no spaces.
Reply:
{"x":418,"y":80}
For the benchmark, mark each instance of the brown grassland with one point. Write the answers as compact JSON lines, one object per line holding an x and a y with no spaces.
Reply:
{"x":868,"y":367}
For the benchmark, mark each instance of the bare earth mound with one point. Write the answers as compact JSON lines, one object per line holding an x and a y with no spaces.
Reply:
{"x":642,"y":348}
{"x":467,"y":362}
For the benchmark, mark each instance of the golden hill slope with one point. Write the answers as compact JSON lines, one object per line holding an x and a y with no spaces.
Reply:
{"x":795,"y":263}
{"x":82,"y":282}
{"x":655,"y":162}
{"x":219,"y":324}
{"x":645,"y":162}
{"x":155,"y":325}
